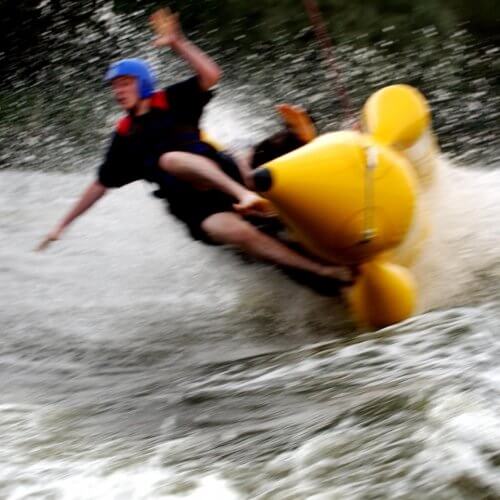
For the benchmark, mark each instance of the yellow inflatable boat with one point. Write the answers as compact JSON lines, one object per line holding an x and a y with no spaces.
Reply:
{"x":354,"y":198}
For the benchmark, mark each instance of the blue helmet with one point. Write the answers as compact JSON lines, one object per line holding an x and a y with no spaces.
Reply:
{"x":136,"y":68}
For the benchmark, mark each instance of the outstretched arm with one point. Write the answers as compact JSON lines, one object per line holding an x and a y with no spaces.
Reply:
{"x":169,"y":34}
{"x":93,"y":192}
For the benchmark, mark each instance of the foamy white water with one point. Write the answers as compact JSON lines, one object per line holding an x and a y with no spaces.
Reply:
{"x":140,"y":364}
{"x":460,"y":259}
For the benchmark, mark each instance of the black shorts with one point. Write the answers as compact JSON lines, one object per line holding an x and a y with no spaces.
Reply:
{"x":192,"y":206}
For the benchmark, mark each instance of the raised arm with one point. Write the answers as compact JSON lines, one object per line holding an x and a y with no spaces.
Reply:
{"x":93,"y":192}
{"x":169,"y":34}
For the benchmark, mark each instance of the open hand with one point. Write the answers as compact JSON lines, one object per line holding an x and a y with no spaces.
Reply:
{"x":167,"y":28}
{"x":50,"y":238}
{"x":298,"y":121}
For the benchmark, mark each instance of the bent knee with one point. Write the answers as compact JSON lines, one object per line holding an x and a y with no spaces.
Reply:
{"x":170,"y":161}
{"x":230,"y":229}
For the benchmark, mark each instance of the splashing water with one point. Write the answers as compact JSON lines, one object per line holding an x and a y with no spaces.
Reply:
{"x":460,"y":261}
{"x":139,"y":364}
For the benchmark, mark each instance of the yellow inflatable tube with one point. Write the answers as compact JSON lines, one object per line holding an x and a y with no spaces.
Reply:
{"x":352,"y":198}
{"x":384,"y":294}
{"x":345,"y":197}
{"x":206,"y":137}
{"x":399,"y":116}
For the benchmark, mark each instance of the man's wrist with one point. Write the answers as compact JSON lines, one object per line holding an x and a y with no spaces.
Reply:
{"x":179,"y":44}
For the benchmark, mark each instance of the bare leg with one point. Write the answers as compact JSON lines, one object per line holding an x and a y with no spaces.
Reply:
{"x":229,"y":228}
{"x":204,"y":173}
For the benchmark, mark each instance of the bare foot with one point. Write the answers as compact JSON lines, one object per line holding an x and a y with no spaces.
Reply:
{"x":253,"y":204}
{"x":340,"y":273}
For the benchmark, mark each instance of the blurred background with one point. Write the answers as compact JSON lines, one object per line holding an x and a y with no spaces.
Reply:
{"x":447,"y":49}
{"x":138,"y":364}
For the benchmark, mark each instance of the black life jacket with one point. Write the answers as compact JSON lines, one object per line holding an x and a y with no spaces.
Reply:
{"x":187,"y":138}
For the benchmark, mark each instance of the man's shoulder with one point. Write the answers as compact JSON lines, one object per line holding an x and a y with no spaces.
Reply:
{"x":160,"y":100}
{"x":187,"y":94}
{"x":187,"y":88}
{"x":124,"y":126}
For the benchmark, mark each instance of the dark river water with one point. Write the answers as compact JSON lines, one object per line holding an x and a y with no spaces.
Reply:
{"x":138,"y":364}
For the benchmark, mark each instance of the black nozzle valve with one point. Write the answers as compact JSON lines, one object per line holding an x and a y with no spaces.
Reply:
{"x":262,"y":180}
